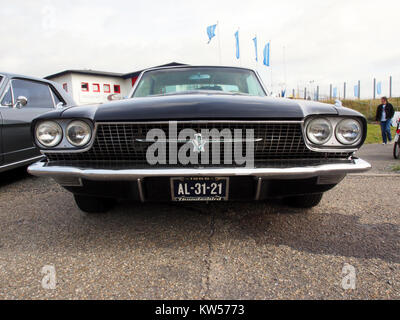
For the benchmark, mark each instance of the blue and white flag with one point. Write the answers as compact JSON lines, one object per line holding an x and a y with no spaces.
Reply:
{"x":266,"y":54}
{"x":237,"y":44}
{"x":379,"y":88}
{"x":356,"y":90}
{"x":211,"y":32}
{"x":255,"y":47}
{"x":335,"y":92}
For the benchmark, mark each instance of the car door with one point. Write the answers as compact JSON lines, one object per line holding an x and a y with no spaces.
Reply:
{"x":16,"y":129}
{"x":1,"y":145}
{"x":2,"y":80}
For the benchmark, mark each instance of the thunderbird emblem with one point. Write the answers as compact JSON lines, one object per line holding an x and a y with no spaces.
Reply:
{"x":198,"y":143}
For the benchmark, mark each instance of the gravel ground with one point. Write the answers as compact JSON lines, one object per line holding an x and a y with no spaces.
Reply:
{"x":199,"y":251}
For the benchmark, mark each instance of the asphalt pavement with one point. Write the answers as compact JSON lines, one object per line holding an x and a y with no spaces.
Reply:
{"x":204,"y":251}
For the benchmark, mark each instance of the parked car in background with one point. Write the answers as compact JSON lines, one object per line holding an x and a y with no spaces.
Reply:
{"x":396,"y":147}
{"x":22,"y":99}
{"x":199,"y":134}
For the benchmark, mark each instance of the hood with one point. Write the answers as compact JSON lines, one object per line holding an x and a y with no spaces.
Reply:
{"x":200,"y":106}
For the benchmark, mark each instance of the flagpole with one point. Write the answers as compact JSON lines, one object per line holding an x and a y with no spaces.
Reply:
{"x":219,"y":44}
{"x":256,"y":60}
{"x":285,"y":65}
{"x":272,"y":86}
{"x":240,"y":56}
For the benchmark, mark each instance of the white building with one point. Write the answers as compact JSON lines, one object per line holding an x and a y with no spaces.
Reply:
{"x":91,"y":87}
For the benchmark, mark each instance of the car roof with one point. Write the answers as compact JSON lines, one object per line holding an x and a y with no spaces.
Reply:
{"x":67,"y":98}
{"x":21,"y":76}
{"x":199,"y":66}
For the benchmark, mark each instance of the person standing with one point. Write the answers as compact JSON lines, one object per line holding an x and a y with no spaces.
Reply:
{"x":384,"y":115}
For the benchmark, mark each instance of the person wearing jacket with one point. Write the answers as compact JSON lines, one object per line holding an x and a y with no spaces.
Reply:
{"x":384,"y":115}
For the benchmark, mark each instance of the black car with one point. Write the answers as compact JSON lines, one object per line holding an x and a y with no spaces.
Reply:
{"x":199,"y":134}
{"x":22,"y":99}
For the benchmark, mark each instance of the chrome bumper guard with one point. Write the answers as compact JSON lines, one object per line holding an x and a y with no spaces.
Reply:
{"x":59,"y":172}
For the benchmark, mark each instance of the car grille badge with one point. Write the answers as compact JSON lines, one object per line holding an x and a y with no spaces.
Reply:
{"x":198,"y":143}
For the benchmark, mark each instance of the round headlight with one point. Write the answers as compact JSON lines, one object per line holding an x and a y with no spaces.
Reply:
{"x":348,"y":131}
{"x":49,"y":133}
{"x":319,"y":131}
{"x":78,"y":133}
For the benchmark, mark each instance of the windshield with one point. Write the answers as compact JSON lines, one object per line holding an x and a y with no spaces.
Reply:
{"x":188,"y":80}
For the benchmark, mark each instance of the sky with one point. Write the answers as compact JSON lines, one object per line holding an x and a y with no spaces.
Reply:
{"x":312,"y":42}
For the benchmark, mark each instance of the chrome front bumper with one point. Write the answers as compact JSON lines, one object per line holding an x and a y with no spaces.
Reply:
{"x":60,"y":172}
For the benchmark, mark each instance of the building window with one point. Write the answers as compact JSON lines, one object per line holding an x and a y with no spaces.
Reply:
{"x":96,"y":87}
{"x":65,"y":87}
{"x":117,"y":88}
{"x":85,"y":86}
{"x":107,"y":88}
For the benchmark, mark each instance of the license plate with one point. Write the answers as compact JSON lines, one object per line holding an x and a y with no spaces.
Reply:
{"x":200,"y":189}
{"x":396,"y":138}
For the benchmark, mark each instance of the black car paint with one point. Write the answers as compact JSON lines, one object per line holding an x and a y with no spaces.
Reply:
{"x":200,"y":106}
{"x":15,"y":125}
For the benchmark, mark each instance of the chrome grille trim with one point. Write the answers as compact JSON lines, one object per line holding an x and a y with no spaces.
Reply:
{"x":97,"y":124}
{"x":117,"y":141}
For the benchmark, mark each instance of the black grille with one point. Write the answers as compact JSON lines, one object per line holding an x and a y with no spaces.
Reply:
{"x":126,"y":142}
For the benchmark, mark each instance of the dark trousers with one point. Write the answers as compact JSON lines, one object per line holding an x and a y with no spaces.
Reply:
{"x":386,"y":134}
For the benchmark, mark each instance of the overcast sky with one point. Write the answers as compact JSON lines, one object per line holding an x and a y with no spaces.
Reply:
{"x":326,"y":41}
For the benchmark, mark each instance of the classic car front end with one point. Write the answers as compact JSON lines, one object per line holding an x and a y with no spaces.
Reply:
{"x":199,"y":134}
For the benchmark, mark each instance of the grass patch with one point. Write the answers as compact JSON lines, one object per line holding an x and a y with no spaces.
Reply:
{"x":374,"y":134}
{"x":396,"y":168}
{"x":367,"y":107}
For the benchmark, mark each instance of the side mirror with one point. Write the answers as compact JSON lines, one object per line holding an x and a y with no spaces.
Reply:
{"x":21,"y":102}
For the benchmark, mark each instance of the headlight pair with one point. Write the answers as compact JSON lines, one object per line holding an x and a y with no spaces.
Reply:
{"x":50,"y":134}
{"x":347,"y":131}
